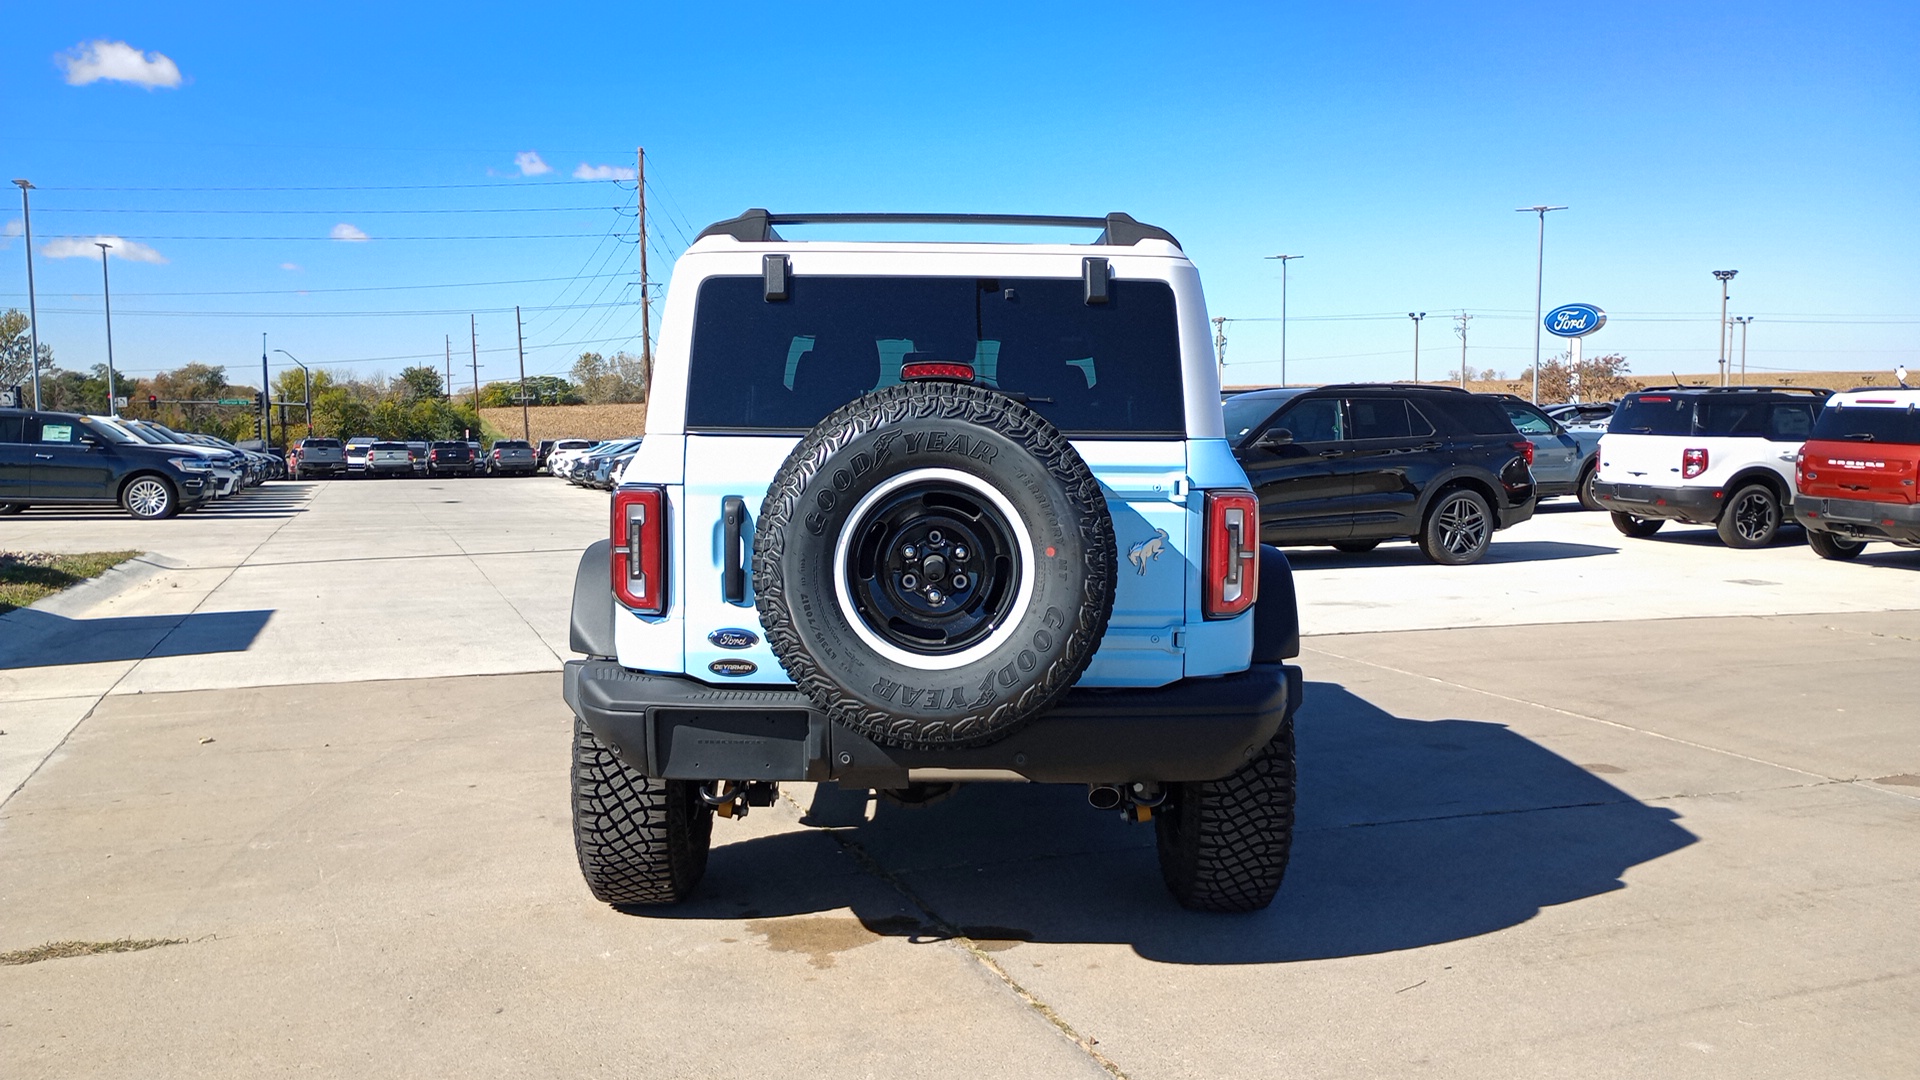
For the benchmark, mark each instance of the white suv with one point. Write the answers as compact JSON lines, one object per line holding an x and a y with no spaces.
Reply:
{"x":1720,"y":456}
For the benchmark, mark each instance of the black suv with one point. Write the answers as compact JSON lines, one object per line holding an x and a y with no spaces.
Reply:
{"x":449,"y":458}
{"x":1354,"y":465}
{"x":60,"y":459}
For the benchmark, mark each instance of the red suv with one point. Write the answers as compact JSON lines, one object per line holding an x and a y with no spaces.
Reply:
{"x":1856,"y":476}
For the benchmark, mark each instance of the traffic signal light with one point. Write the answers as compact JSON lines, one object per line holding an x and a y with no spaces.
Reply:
{"x":153,"y":401}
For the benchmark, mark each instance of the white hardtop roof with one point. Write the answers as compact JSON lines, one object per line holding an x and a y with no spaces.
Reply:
{"x":1891,"y":398}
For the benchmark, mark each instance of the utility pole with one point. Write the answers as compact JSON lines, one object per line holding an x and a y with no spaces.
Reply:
{"x":266,"y":398}
{"x":448,"y":389}
{"x":33,"y":313}
{"x":1463,"y":319}
{"x":526,"y":425}
{"x":1416,"y":316}
{"x":1284,"y":259}
{"x":1220,"y":345}
{"x":1539,"y":278}
{"x":646,"y":298}
{"x":1743,"y":320}
{"x":473,"y":331}
{"x":1723,"y":277}
{"x":106,"y":295}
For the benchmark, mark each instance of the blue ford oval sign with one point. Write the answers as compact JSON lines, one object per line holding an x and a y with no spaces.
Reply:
{"x":1575,"y":320}
{"x":732,"y":638}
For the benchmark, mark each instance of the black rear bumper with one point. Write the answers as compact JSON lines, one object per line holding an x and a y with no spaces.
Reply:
{"x":679,"y":728}
{"x":1694,"y":505}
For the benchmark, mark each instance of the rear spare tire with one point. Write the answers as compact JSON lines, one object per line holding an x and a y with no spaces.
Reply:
{"x":934,"y":565}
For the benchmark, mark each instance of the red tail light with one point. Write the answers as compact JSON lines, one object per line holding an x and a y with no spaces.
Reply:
{"x":1231,"y":574}
{"x":936,"y":369}
{"x":1526,"y":451}
{"x":1693,"y":462}
{"x":640,"y":549}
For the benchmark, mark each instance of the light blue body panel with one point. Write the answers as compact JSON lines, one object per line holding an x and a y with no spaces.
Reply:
{"x":1156,"y":635}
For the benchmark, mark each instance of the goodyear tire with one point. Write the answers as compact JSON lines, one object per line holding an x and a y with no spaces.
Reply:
{"x":639,"y":841}
{"x":1224,"y":844}
{"x":934,"y":565}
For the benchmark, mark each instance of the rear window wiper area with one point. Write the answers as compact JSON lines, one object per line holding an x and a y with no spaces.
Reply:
{"x":1860,"y":436}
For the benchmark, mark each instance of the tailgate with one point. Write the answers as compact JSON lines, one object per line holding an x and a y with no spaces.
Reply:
{"x":1869,"y":472}
{"x":1642,"y":459}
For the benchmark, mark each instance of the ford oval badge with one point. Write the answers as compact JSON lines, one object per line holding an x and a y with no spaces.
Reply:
{"x":733,"y":638}
{"x":1574,"y":320}
{"x":733,"y":668}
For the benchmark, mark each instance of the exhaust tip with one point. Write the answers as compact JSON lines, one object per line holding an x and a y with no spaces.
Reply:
{"x":1103,"y":797}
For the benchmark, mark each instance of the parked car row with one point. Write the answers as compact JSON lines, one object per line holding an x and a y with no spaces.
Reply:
{"x":598,"y":466}
{"x":365,"y":456}
{"x":151,"y":471}
{"x":1750,"y":460}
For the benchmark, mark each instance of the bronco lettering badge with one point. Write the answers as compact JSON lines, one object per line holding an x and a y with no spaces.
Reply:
{"x":733,"y":668}
{"x":733,"y":638}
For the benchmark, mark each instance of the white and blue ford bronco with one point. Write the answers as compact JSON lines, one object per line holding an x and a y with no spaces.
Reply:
{"x":910,"y":515}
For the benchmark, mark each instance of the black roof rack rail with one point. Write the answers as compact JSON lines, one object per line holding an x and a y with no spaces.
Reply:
{"x":1737,"y":389}
{"x":1390,"y":386}
{"x":756,"y":226}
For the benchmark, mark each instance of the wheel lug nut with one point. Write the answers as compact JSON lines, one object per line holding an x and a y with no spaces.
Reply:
{"x":908,"y":552}
{"x":959,"y":551}
{"x":934,"y":597}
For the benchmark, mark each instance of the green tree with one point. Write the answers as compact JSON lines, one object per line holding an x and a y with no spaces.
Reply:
{"x":338,"y":414}
{"x":15,"y":344}
{"x":419,"y":383}
{"x":1599,"y":378}
{"x":608,"y":380}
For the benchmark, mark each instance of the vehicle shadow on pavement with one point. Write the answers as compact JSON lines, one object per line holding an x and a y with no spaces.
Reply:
{"x":1410,"y":833}
{"x":1407,"y":554}
{"x":30,"y":638}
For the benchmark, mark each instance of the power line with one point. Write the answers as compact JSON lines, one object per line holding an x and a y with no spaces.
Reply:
{"x":433,"y":210}
{"x":347,"y":187}
{"x":337,"y":240}
{"x":360,"y":288}
{"x":389,"y":359}
{"x":310,"y":314}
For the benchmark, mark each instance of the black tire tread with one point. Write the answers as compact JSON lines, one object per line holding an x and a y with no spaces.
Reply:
{"x":1429,"y":541}
{"x":971,"y":405}
{"x":1224,"y":844}
{"x":1729,"y":529}
{"x":1828,"y":546}
{"x":640,"y":841}
{"x":1640,"y":528}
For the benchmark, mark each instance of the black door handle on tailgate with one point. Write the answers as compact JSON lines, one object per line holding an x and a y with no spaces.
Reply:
{"x":733,"y":567}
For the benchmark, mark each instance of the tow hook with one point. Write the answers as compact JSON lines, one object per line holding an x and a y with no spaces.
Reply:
{"x":733,"y":798}
{"x":1135,"y":801}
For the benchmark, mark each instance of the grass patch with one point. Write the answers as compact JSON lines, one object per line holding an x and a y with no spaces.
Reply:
{"x":60,"y":950}
{"x":27,"y":576}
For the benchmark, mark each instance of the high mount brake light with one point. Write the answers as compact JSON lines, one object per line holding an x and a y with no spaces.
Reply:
{"x":1231,"y":573}
{"x":936,"y":369}
{"x":1693,"y":462}
{"x":639,"y":549}
{"x":1654,"y":400}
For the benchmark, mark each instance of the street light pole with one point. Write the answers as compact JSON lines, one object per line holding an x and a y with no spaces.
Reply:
{"x":309,"y":374}
{"x":1743,"y":320}
{"x":266,"y":398}
{"x":106,"y":295}
{"x":1284,"y":259}
{"x":1463,"y":319}
{"x":1220,"y":345}
{"x":1723,"y":277}
{"x":1539,"y":278}
{"x":1416,"y":316}
{"x":33,"y":313}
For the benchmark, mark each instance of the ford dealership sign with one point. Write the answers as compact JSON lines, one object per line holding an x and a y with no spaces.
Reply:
{"x":1575,"y":320}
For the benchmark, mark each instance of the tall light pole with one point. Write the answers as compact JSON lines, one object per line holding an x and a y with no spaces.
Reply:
{"x":1220,"y":345}
{"x":106,"y":295}
{"x":1539,"y":278}
{"x":33,"y":313}
{"x":303,"y":367}
{"x":1463,"y":319}
{"x":1284,"y":259}
{"x":1723,"y":277}
{"x":1743,"y":320}
{"x":1416,"y":316}
{"x":266,"y":398}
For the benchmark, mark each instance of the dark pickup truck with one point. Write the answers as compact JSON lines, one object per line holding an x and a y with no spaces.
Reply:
{"x":510,"y":457}
{"x":449,"y":459}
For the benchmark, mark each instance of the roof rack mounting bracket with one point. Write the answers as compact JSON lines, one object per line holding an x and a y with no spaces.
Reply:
{"x":1117,"y":230}
{"x":1093,"y":274}
{"x":776,"y":271}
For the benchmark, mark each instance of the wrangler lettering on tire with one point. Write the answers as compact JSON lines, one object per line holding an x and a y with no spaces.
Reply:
{"x":953,"y":571}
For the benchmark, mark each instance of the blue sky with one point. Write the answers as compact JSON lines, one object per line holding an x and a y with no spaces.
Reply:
{"x":1388,"y":143}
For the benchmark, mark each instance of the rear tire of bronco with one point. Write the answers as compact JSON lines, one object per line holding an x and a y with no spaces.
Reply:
{"x":1751,"y":519}
{"x":1828,"y":546}
{"x":1637,"y":526}
{"x":1224,"y":844}
{"x":639,"y":840}
{"x":1458,"y":529}
{"x":934,"y":565}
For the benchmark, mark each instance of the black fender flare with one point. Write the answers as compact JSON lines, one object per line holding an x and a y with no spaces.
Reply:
{"x":1276,"y":614}
{"x":591,"y":628}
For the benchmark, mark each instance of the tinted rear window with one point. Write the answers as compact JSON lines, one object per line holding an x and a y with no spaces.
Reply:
{"x":1479,"y":415}
{"x":1869,"y":423}
{"x":1684,"y":414}
{"x":1656,"y":414}
{"x":781,"y":366}
{"x":321,"y":444}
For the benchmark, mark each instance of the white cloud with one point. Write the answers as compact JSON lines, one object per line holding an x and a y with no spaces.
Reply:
{"x":530,"y":164}
{"x":82,"y":247}
{"x":295,"y":267}
{"x":117,"y":61}
{"x":13,"y":228}
{"x":344,"y":231}
{"x":603,"y":172}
